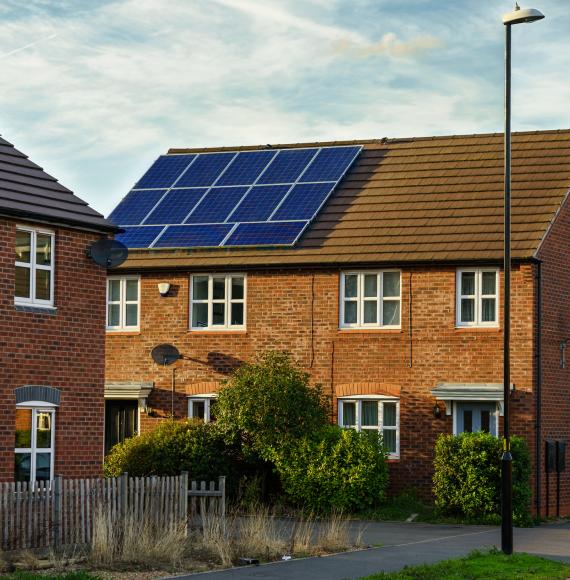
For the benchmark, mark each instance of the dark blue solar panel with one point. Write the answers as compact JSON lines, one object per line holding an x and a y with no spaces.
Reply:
{"x":217,"y":205}
{"x":175,"y":206}
{"x":164,"y":171}
{"x":193,"y":236}
{"x":246,"y":167}
{"x":287,"y":166}
{"x":205,"y":170}
{"x":140,"y":237}
{"x":330,"y":164}
{"x":259,"y":203}
{"x":266,"y":234}
{"x":304,"y":201}
{"x":135,"y":206}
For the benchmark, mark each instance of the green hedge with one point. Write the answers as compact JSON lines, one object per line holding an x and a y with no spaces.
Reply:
{"x":173,"y":447}
{"x":467,"y":478}
{"x":336,"y":468}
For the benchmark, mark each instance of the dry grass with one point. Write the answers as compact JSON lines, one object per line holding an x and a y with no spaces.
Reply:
{"x":263,"y":536}
{"x":138,"y":541}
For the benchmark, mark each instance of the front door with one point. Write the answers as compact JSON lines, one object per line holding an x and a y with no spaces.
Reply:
{"x":472,"y":417}
{"x":121,"y":421}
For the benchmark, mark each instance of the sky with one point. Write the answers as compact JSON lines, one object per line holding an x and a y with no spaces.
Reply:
{"x":95,"y":91}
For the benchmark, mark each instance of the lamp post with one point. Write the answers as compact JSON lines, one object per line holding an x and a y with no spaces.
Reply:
{"x":517,"y":16}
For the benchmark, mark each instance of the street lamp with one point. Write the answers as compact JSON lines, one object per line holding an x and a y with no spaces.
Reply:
{"x":517,"y":16}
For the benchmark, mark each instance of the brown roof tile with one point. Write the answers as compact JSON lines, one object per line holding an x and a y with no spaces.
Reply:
{"x":414,"y":200}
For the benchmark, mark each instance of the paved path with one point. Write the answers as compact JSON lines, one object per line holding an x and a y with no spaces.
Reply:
{"x":403,"y":544}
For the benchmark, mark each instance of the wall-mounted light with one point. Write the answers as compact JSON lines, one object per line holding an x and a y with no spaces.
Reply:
{"x":164,"y":288}
{"x":436,"y":411}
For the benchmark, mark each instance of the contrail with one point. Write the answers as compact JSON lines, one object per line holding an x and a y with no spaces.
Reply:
{"x":6,"y":54}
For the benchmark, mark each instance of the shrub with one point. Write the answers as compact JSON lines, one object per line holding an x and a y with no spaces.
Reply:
{"x":467,"y":478}
{"x":335,"y":469}
{"x":269,"y":403}
{"x":173,"y":447}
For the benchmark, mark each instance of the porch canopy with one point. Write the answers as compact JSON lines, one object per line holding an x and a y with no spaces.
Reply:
{"x":470,"y":392}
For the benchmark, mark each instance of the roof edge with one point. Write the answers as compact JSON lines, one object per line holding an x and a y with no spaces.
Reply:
{"x":105,"y":227}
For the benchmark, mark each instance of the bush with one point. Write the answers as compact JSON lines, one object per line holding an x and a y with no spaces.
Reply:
{"x":467,"y":478}
{"x":335,"y":469}
{"x":173,"y":447}
{"x":269,"y":403}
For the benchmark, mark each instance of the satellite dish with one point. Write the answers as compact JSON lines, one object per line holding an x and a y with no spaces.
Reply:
{"x":165,"y":354}
{"x":108,"y":253}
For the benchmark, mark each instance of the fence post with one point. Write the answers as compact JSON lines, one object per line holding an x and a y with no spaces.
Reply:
{"x":123,"y":497}
{"x":183,"y":502}
{"x":222,"y":483}
{"x":57,"y":512}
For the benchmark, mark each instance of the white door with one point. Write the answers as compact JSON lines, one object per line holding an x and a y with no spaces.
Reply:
{"x":473,"y":417}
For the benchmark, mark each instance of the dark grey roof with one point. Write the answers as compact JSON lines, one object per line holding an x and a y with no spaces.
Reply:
{"x":27,"y":191}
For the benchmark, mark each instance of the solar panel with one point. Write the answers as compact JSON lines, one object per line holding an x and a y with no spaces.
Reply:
{"x":216,"y":205}
{"x":304,"y":201}
{"x":139,"y":237}
{"x":231,"y":198}
{"x":164,"y":171}
{"x":259,"y":203}
{"x":205,"y":170}
{"x":175,"y":206}
{"x":246,"y":168}
{"x":266,"y":234}
{"x":135,"y":206}
{"x":193,"y":236}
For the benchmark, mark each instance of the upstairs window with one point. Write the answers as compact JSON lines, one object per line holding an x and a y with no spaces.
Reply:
{"x":202,"y":407}
{"x":123,"y":303}
{"x":34,"y":267}
{"x":478,"y":297}
{"x":373,"y":414}
{"x":370,"y":299}
{"x":217,"y":302}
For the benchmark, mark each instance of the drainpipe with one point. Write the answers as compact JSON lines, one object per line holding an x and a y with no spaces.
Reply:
{"x":538,"y":387}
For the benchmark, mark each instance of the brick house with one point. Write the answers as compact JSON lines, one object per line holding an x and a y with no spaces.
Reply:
{"x":52,"y":326}
{"x":391,"y":298}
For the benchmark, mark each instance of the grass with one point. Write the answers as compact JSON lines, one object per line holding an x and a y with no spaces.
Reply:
{"x":34,"y":576}
{"x":479,"y":565}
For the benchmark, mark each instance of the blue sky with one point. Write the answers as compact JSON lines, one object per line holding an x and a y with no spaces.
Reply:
{"x":95,"y":91}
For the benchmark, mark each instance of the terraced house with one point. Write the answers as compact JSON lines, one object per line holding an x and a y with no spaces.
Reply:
{"x":377,"y":264}
{"x":52,"y":326}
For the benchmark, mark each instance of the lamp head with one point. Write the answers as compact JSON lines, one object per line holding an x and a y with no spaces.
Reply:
{"x":520,"y":15}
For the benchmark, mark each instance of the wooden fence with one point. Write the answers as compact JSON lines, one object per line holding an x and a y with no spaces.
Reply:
{"x":62,"y":512}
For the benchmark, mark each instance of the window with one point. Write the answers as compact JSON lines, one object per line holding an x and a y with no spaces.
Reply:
{"x":34,"y":267}
{"x":217,"y":302}
{"x":370,"y":299}
{"x":34,"y":446}
{"x":202,"y":407}
{"x":477,"y":297}
{"x":373,"y":414}
{"x":473,"y":417}
{"x":123,"y":303}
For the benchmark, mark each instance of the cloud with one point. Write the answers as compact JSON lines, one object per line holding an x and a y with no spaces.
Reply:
{"x":389,"y":45}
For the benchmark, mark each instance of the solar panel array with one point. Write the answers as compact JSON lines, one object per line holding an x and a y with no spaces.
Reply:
{"x":241,"y":198}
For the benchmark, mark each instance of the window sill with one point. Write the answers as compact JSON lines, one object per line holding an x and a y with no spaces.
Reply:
{"x":370,"y":331}
{"x":35,"y":308}
{"x":217,"y":332}
{"x":122,"y":332}
{"x":478,"y":328}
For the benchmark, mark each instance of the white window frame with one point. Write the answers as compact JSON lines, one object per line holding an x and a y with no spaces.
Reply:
{"x":380,"y":399}
{"x":228,"y":300}
{"x":478,"y":297}
{"x":123,"y":304}
{"x":361,"y":299}
{"x":494,"y":414}
{"x":207,"y":400}
{"x":33,"y":267}
{"x":34,"y":450}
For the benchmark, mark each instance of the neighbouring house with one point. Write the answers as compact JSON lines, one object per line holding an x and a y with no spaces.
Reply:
{"x":377,"y":264}
{"x":52,"y":326}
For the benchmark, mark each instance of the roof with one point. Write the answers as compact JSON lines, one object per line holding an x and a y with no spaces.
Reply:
{"x":414,"y":200}
{"x":28,"y":192}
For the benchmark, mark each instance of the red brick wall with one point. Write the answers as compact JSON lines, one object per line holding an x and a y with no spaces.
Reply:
{"x":65,"y":351}
{"x":298,"y":311}
{"x":555,"y":256}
